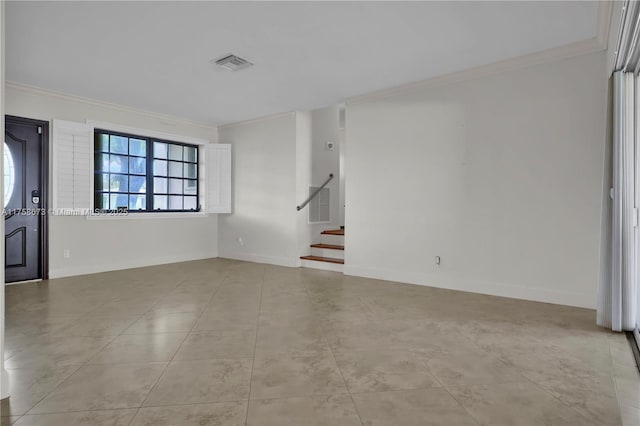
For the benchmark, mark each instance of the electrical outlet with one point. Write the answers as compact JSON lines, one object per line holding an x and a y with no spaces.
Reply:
{"x":330,"y":145}
{"x":67,"y":253}
{"x":437,"y":260}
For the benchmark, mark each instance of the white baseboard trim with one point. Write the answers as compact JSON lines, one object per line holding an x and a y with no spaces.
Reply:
{"x":129,"y":264}
{"x":258,"y":258}
{"x":477,"y":286}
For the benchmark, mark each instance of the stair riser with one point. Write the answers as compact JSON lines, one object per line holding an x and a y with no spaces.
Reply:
{"x":326,"y":266}
{"x":331,"y":239}
{"x":336,"y":254}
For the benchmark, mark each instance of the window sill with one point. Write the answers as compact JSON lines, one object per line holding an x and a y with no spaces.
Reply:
{"x":149,"y":215}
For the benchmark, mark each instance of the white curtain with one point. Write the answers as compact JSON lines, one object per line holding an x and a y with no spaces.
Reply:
{"x":618,"y":286}
{"x":617,"y":294}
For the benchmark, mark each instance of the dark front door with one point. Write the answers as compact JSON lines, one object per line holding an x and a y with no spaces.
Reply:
{"x":22,"y":199}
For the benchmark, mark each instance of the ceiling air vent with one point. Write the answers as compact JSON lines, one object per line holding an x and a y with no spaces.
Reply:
{"x":233,"y":63}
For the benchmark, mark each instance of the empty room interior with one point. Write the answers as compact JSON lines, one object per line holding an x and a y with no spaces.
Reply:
{"x":320,"y":213}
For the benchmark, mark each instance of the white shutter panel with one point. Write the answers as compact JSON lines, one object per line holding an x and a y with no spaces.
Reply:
{"x":218,"y":178}
{"x":72,"y":165}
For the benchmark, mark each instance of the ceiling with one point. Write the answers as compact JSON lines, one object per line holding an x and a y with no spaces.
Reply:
{"x":156,"y":55}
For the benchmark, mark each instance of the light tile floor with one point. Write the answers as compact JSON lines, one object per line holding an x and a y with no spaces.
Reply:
{"x":222,"y":342}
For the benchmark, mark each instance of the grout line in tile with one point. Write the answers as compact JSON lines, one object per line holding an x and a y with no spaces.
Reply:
{"x":255,"y":345}
{"x":80,"y":366}
{"x":137,"y":408}
{"x":426,"y":366}
{"x":551,"y":394}
{"x":330,"y":347}
{"x":344,"y":381}
{"x":179,"y":346}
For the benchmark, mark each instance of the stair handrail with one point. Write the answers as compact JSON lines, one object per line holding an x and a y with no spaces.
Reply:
{"x":315,"y":193}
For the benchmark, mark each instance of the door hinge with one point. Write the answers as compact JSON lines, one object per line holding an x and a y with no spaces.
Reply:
{"x":635,"y":218}
{"x":39,"y":130}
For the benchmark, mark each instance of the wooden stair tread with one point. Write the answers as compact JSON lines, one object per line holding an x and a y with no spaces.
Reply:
{"x":333,"y":232}
{"x":323,"y":259}
{"x":328,"y":246}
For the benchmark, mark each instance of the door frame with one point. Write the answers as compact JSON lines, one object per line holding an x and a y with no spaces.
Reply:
{"x":43,"y":263}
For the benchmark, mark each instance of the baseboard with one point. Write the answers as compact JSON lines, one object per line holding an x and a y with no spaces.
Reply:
{"x":257,"y":258}
{"x":135,"y":263}
{"x":476,"y":286}
{"x":635,"y":346}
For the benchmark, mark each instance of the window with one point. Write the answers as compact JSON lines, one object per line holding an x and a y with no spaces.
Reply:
{"x":9,"y":175}
{"x":138,"y":173}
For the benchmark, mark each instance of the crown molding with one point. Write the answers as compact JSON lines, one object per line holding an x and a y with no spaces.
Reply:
{"x":595,"y":44}
{"x":605,"y":10}
{"x":545,"y":56}
{"x":257,"y":119}
{"x":165,"y":118}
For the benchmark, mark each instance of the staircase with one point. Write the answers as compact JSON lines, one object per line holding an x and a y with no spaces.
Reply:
{"x":327,"y":254}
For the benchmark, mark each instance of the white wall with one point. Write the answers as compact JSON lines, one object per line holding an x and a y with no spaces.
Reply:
{"x":342,"y":182}
{"x":263,"y":225}
{"x":101,"y":245}
{"x":325,"y":127}
{"x":499,"y":175}
{"x":304,"y":179}
{"x":607,"y":183}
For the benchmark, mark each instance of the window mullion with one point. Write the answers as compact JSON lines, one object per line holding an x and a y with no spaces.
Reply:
{"x":171,"y":176}
{"x":150,"y":206}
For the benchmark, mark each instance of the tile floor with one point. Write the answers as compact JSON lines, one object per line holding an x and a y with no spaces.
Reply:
{"x":222,"y":342}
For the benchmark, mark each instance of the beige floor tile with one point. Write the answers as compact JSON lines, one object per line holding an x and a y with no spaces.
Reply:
{"x":226,"y":318}
{"x":302,"y":318}
{"x":379,"y":333}
{"x":292,"y":374}
{"x":123,"y":308}
{"x":27,"y":322}
{"x":212,"y":344}
{"x":60,"y":351}
{"x":30,"y":386}
{"x":362,"y":334}
{"x":97,"y":326}
{"x":82,"y":418}
{"x":516,"y":404}
{"x":471,"y":368}
{"x":544,"y":358}
{"x":311,"y":410}
{"x":592,"y":394}
{"x":628,"y":391}
{"x":194,"y":382}
{"x":9,"y":420}
{"x":205,"y":286}
{"x":630,"y":415}
{"x":131,"y":348}
{"x":411,"y":408}
{"x":102,"y":387}
{"x":181,"y":302}
{"x":621,"y":354}
{"x":299,"y":337}
{"x":629,"y":372}
{"x":377,"y":371}
{"x":354,"y":331}
{"x":236,"y":300}
{"x":164,"y":323}
{"x":218,"y":414}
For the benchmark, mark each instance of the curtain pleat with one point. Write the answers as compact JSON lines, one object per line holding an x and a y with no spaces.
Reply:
{"x":617,"y":293}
